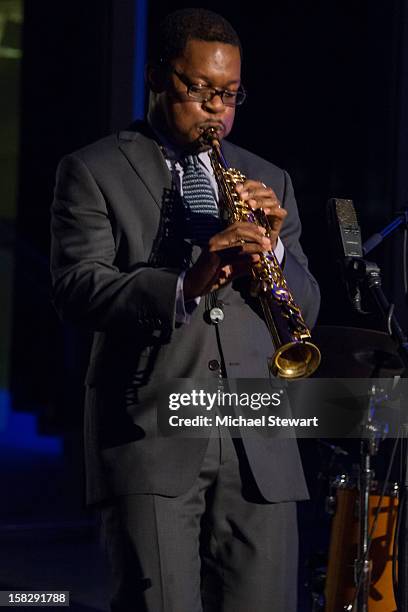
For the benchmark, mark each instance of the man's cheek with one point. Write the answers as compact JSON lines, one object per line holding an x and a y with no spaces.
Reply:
{"x":229,"y":122}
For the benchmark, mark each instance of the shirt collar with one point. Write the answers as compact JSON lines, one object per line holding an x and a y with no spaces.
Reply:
{"x":171,"y":154}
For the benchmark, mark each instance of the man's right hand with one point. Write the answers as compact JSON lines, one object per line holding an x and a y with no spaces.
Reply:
{"x":229,"y":254}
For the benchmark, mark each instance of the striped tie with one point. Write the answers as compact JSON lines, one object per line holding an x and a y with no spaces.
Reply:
{"x":202,"y":217}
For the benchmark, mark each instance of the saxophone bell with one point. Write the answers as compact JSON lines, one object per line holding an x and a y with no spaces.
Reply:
{"x":295,"y":354}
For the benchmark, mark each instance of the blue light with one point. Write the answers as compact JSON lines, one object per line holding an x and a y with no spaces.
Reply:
{"x":139,"y":59}
{"x":4,"y":408}
{"x":19,"y":431}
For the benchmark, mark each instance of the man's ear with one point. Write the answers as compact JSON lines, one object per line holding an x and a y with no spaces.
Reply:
{"x":156,"y":77}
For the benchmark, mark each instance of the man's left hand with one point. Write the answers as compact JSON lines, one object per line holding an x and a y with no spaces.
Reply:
{"x":258,"y":195}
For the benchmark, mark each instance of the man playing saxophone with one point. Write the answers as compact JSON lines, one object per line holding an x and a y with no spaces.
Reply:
{"x":142,"y":257}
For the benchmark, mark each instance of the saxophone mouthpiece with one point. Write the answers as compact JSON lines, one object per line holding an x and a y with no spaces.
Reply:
{"x":210,"y":136}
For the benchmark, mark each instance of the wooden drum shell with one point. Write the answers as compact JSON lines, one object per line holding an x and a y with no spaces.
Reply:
{"x":343,"y":550}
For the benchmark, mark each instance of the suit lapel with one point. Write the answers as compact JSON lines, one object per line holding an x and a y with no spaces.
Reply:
{"x":145,"y":157}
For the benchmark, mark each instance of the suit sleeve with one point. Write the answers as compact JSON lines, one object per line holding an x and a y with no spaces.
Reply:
{"x":88,"y":287}
{"x":300,"y":281}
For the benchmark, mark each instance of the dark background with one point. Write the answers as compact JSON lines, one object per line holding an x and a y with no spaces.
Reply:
{"x":327,"y":100}
{"x":327,"y":86}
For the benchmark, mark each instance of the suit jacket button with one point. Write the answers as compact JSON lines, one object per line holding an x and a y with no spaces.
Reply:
{"x":214,"y":365}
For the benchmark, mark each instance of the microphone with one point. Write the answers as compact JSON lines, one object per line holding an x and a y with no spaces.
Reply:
{"x":378,"y":237}
{"x":346,"y":234}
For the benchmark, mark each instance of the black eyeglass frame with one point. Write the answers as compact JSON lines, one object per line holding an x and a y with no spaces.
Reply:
{"x":195,"y":92}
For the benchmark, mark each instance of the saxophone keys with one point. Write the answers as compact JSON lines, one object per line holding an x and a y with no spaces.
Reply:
{"x":258,"y":287}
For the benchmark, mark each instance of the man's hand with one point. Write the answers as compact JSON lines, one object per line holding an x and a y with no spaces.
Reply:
{"x":229,"y":254}
{"x":258,"y":195}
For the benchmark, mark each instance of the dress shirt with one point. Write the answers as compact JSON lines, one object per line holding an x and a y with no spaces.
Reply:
{"x":183,"y":308}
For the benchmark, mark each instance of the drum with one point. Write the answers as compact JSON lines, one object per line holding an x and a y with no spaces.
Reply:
{"x":343,"y":550}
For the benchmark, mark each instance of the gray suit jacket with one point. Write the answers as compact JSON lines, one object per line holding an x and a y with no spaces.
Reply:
{"x":116,"y":259}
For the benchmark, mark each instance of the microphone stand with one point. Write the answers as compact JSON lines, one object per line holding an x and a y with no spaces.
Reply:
{"x":365,"y":273}
{"x":373,"y":433}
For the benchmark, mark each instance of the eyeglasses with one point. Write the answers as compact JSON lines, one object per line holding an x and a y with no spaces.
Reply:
{"x":202,"y":93}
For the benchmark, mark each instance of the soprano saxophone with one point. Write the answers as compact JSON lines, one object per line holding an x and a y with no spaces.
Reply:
{"x":295,"y":354}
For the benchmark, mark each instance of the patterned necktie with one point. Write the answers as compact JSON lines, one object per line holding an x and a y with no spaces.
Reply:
{"x":201,"y":210}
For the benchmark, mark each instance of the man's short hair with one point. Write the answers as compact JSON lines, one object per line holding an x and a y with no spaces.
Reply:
{"x":177,"y":28}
